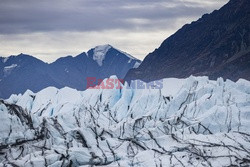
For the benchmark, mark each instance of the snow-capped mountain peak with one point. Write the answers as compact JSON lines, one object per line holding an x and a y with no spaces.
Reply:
{"x":100,"y":53}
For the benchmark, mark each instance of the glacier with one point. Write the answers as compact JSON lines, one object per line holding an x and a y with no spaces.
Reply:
{"x":189,"y":122}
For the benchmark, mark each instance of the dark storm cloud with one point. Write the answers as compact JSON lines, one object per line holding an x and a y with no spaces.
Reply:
{"x":29,"y":16}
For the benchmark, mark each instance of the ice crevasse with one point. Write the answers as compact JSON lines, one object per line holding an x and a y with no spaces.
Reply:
{"x":193,"y":121}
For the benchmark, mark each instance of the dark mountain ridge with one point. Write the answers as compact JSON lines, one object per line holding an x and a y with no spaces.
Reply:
{"x":216,"y":45}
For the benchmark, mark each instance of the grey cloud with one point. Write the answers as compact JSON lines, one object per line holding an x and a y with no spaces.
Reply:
{"x":29,"y":16}
{"x":49,"y":29}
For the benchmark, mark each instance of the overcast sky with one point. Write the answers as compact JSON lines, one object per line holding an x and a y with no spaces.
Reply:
{"x":48,"y":29}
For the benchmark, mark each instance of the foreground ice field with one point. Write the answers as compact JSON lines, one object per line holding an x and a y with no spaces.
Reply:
{"x":190,"y":122}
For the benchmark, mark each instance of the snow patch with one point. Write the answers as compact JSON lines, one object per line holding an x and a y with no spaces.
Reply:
{"x":66,"y":70}
{"x":100,"y":53}
{"x":11,"y":66}
{"x":137,"y":64}
{"x":7,"y":70}
{"x":128,"y":55}
{"x":5,"y":59}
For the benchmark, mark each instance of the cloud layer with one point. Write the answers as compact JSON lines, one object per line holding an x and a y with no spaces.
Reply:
{"x":53,"y":28}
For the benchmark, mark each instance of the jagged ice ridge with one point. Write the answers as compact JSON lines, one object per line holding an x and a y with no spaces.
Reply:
{"x":190,"y":122}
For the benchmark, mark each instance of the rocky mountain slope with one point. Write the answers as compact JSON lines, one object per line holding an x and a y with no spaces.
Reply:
{"x":189,"y":122}
{"x":216,"y":45}
{"x":22,"y":72}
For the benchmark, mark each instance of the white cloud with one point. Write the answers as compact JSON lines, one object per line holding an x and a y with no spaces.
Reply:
{"x":52,"y":45}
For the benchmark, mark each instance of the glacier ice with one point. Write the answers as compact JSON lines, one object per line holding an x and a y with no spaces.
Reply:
{"x":189,"y":122}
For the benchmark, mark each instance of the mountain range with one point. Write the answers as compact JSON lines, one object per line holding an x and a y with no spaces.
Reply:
{"x":216,"y":45}
{"x":22,"y":72}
